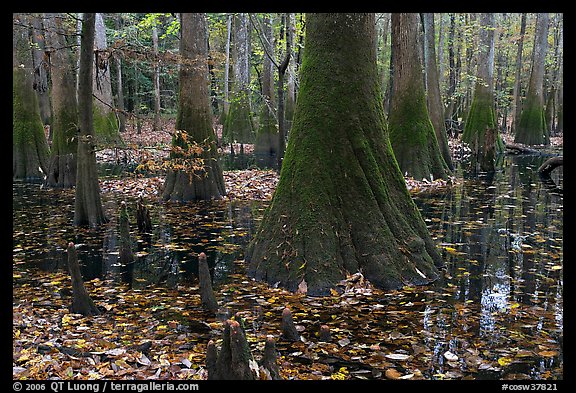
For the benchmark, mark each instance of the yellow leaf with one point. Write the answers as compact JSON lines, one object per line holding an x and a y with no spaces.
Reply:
{"x":504,"y":361}
{"x":333,"y":292}
{"x":514,"y":305}
{"x":548,"y":354}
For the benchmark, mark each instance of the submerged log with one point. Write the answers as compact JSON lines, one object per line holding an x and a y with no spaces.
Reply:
{"x":550,"y":164}
{"x":81,"y":301}
{"x":518,"y":148}
{"x":289,"y":331}
{"x":207,"y":297}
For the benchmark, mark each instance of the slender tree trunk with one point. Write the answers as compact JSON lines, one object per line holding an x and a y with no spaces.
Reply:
{"x":516,"y":97}
{"x":29,"y":146}
{"x":227,"y":66}
{"x":341,"y":204}
{"x":411,"y":131}
{"x":266,"y":145}
{"x":119,"y":87}
{"x":194,"y":119}
{"x":440,"y":51}
{"x":157,"y":125}
{"x":62,"y":167}
{"x":88,"y":205}
{"x":434,"y":99}
{"x":532,"y":128}
{"x":40,"y":66}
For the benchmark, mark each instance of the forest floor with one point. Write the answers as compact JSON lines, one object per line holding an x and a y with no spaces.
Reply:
{"x":162,"y":333}
{"x":246,"y":184}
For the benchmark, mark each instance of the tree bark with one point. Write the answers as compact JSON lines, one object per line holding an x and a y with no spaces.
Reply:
{"x":532,"y":128}
{"x":434,"y":99}
{"x":29,"y":147}
{"x":411,"y":131}
{"x":88,"y":208}
{"x":62,"y":166}
{"x":119,"y":86}
{"x":516,"y":98}
{"x":341,"y":204}
{"x":195,"y":119}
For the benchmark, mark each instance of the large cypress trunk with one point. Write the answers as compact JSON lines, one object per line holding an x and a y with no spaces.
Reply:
{"x":531,"y":128}
{"x":62,"y":167}
{"x":480,"y":130}
{"x":195,"y":118}
{"x":341,"y":205}
{"x":411,"y":131}
{"x":88,"y":205}
{"x":29,"y":146}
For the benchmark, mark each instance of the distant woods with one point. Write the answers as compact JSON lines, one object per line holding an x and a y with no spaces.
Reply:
{"x":254,"y":63}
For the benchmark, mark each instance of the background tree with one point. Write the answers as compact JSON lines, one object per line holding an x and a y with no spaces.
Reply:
{"x":434,"y":99}
{"x":411,"y":131}
{"x":105,"y":122}
{"x":266,"y":145}
{"x":29,"y":147}
{"x":40,"y":69}
{"x":64,"y":125}
{"x":531,"y":129}
{"x":341,"y":204}
{"x":87,"y":204}
{"x":239,"y":126}
{"x":480,"y":130}
{"x":195,"y":119}
{"x":516,"y":98}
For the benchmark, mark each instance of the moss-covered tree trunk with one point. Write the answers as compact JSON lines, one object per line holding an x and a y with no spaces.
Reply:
{"x":62,"y":165}
{"x":341,"y":205}
{"x":531,"y":128}
{"x":238,"y":125}
{"x":87,"y":205}
{"x":40,"y":69}
{"x":411,"y":131}
{"x":195,"y":119}
{"x":480,"y":129}
{"x":29,"y":147}
{"x":434,"y":99}
{"x":266,"y":145}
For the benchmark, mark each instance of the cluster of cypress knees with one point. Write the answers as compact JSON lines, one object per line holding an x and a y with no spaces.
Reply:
{"x":234,"y":360}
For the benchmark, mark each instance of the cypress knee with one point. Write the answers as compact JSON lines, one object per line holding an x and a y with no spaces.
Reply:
{"x":81,"y":301}
{"x":269,"y":359}
{"x":234,"y":358}
{"x":289,"y":331}
{"x":205,"y":284}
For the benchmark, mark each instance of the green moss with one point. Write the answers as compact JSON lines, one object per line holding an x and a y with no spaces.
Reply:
{"x":238,"y":126}
{"x":29,"y":145}
{"x":105,"y":126}
{"x":531,"y":129}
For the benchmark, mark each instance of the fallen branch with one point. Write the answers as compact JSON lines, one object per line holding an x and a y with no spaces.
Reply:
{"x":517,"y":148}
{"x":550,"y":164}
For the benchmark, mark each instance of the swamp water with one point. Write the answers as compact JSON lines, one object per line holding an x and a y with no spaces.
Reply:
{"x":496,"y":313}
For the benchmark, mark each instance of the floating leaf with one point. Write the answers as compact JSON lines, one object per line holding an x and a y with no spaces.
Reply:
{"x":397,"y":356}
{"x":504,"y":361}
{"x":392,"y":373}
{"x":451,"y":357}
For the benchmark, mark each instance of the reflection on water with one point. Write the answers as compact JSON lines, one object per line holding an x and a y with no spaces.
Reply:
{"x":501,"y":236}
